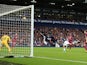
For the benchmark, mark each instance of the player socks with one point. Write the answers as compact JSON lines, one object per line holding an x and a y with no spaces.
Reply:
{"x":64,"y":49}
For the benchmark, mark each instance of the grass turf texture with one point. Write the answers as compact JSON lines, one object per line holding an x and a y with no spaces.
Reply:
{"x":52,"y":56}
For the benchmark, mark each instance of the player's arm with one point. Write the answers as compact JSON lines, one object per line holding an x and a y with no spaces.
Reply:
{"x":41,"y":34}
{"x":9,"y":39}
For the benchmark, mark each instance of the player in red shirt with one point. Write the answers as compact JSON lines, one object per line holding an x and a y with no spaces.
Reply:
{"x":85,"y":43}
{"x":70,"y":40}
{"x":14,"y":40}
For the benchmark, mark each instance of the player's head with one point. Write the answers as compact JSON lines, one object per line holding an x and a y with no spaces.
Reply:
{"x":69,"y":34}
{"x":5,"y":33}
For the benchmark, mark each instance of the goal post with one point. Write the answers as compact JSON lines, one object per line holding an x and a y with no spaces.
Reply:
{"x":18,"y":23}
{"x":32,"y":30}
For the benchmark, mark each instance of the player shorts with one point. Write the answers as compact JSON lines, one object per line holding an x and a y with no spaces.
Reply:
{"x":66,"y":43}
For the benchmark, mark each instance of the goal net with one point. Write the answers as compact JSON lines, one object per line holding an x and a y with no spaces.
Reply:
{"x":18,"y":23}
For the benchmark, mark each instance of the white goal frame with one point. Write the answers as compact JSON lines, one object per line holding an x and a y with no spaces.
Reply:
{"x":32,"y":24}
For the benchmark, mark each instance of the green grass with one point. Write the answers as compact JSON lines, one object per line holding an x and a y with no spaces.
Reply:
{"x":52,"y":56}
{"x":15,"y":51}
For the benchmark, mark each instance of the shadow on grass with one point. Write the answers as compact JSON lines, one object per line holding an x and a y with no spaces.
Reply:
{"x":8,"y":63}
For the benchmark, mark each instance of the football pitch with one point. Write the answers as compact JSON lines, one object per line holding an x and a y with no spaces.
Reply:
{"x":52,"y":56}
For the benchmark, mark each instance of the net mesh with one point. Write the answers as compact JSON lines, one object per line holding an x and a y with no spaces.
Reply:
{"x":16,"y":22}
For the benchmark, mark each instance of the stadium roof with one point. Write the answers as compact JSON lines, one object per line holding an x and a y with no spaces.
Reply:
{"x":76,"y":5}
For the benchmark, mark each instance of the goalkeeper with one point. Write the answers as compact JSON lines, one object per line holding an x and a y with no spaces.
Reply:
{"x":5,"y":39}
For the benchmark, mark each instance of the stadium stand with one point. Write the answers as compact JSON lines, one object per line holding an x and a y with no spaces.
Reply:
{"x":53,"y":14}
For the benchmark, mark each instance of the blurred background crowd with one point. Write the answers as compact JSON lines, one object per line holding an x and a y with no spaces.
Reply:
{"x":56,"y":35}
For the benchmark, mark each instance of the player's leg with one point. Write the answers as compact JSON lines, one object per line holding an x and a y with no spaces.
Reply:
{"x":13,"y":44}
{"x":65,"y":46}
{"x":85,"y":46}
{"x":70,"y":46}
{"x":86,"y":40}
{"x":7,"y":46}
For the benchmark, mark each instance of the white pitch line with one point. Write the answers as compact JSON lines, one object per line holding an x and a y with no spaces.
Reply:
{"x":62,"y":60}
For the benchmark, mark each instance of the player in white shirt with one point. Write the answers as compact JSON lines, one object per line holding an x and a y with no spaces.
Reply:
{"x":44,"y":38}
{"x":65,"y":45}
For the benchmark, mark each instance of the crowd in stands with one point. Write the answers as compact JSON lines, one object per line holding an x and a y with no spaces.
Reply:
{"x":56,"y":35}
